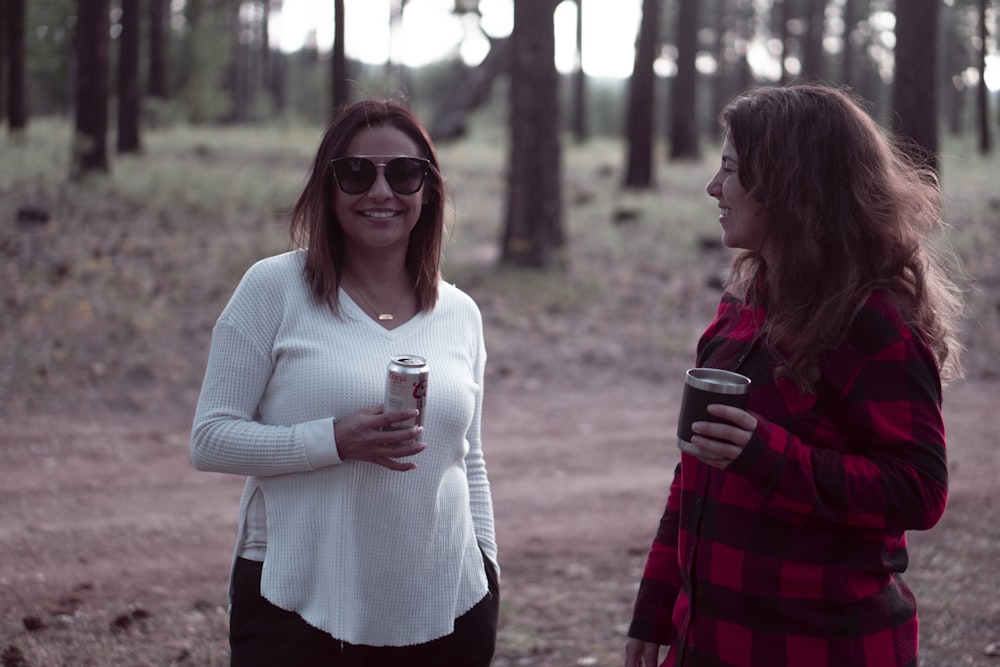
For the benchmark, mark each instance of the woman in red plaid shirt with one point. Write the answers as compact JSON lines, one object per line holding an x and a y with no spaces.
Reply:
{"x":783,"y":538}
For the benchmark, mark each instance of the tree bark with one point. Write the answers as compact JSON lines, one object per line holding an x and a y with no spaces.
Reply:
{"x":915,"y":90}
{"x":982,"y":92}
{"x":338,"y":61}
{"x":533,"y":232}
{"x":471,"y":91}
{"x":580,"y":130}
{"x":813,"y":57}
{"x":90,"y":150}
{"x":639,"y":118}
{"x":4,"y":57}
{"x":129,"y":98}
{"x":158,"y":19}
{"x":782,"y":15}
{"x":848,"y":64}
{"x":13,"y":27}
{"x":684,"y":135}
{"x":238,"y":68}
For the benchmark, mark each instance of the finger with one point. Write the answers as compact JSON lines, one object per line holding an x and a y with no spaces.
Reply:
{"x":388,"y":419}
{"x":722,"y":433}
{"x":393,"y":464}
{"x":402,"y":450}
{"x":401,"y":436}
{"x":734,"y":415}
{"x":704,"y":450}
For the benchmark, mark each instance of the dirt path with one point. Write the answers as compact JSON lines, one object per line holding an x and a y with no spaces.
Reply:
{"x":115,"y":551}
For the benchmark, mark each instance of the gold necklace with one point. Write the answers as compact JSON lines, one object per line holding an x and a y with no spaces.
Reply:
{"x":382,"y":317}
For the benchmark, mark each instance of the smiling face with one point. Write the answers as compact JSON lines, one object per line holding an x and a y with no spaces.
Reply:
{"x":744,"y":222}
{"x":379,"y":219}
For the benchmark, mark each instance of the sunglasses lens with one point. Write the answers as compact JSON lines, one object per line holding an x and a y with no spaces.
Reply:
{"x":405,"y":174}
{"x":354,"y":174}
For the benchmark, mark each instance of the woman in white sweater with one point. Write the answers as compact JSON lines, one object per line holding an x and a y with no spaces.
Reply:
{"x":358,"y":544}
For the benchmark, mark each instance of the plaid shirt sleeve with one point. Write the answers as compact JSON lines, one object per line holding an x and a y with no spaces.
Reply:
{"x":887,"y":470}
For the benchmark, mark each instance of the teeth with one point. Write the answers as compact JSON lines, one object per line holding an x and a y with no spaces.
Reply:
{"x":379,"y":214}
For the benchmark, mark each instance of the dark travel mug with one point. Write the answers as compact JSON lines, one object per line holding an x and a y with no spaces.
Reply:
{"x":703,"y":386}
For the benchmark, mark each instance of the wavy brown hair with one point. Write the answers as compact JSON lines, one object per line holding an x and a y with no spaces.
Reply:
{"x":313,"y":225}
{"x":851,"y":210}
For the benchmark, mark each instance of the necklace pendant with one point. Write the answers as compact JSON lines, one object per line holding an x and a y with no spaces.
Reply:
{"x":382,"y":317}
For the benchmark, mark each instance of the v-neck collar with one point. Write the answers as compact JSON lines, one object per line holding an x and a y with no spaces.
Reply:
{"x":354,"y":311}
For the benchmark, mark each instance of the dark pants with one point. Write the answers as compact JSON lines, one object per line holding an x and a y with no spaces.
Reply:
{"x":263,"y":635}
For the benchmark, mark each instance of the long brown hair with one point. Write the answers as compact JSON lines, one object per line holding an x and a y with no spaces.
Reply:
{"x":313,"y":225}
{"x":851,"y":210}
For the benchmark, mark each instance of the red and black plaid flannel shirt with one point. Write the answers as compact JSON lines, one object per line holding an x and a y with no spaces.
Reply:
{"x":792,"y":555}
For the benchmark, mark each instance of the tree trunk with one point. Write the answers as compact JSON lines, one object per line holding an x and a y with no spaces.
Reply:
{"x":746,"y":32}
{"x":470,"y":92}
{"x":13,"y":27}
{"x":914,"y":90}
{"x":266,"y":64}
{"x":93,"y":25}
{"x":278,"y":82}
{"x":848,"y":64}
{"x":338,"y":61}
{"x":639,"y":119}
{"x":813,"y":57}
{"x":982,"y":92}
{"x":158,"y":20}
{"x":129,"y":98}
{"x":782,"y":14}
{"x":239,"y":71}
{"x":734,"y":26}
{"x":4,"y":58}
{"x":533,"y":232}
{"x":726,"y":34}
{"x":580,"y":130}
{"x":684,"y":135}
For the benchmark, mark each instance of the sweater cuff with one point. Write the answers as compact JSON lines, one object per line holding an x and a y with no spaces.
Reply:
{"x":320,"y":443}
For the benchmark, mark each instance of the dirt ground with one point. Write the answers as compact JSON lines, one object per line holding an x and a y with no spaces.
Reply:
{"x":115,"y":551}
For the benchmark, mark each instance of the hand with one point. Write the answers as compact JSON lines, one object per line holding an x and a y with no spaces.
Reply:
{"x":717,"y":444}
{"x":641,"y":654}
{"x":366,"y":436}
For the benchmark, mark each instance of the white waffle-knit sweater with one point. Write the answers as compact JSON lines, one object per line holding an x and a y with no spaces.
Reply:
{"x":370,"y":555}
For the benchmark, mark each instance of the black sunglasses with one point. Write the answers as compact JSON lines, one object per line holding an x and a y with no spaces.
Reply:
{"x":405,"y":175}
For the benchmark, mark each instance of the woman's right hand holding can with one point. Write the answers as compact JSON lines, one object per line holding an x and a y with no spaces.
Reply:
{"x":368,"y":436}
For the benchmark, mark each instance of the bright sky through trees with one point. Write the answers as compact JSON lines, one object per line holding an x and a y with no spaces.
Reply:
{"x":431,"y":31}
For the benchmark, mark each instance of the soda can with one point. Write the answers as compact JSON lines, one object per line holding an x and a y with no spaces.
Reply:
{"x":406,"y":387}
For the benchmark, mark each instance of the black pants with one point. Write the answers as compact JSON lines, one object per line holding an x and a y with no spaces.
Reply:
{"x":264,"y":635}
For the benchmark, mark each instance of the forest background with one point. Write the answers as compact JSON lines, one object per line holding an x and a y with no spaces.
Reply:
{"x":593,"y":254}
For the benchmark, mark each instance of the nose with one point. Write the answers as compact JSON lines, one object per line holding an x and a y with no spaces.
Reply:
{"x":380,"y":188}
{"x":714,"y":186}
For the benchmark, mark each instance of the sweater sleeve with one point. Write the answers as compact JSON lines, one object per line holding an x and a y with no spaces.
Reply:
{"x":480,"y":497}
{"x":227,"y":435}
{"x":661,"y":579}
